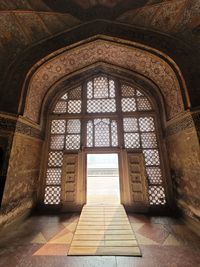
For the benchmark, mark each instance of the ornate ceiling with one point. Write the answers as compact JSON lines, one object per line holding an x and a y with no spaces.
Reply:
{"x":24,"y":23}
{"x":46,"y":5}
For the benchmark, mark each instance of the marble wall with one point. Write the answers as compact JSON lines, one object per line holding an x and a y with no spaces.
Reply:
{"x":184,"y":157}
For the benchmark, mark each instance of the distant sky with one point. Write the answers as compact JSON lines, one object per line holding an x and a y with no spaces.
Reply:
{"x":102,"y":160}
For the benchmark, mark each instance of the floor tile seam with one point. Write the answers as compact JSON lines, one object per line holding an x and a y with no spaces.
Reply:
{"x":74,"y":232}
{"x":103,"y":246}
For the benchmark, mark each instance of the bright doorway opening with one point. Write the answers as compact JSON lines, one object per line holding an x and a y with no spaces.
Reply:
{"x":103,"y":179}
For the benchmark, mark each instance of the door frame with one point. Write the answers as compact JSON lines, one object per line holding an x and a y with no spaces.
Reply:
{"x":100,"y":150}
{"x":104,"y":151}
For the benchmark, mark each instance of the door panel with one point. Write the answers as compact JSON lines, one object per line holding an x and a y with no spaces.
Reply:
{"x":134,"y":187}
{"x":138,"y":181}
{"x":69,"y":179}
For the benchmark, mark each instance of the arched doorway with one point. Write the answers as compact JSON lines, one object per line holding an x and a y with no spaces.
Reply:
{"x":105,"y":114}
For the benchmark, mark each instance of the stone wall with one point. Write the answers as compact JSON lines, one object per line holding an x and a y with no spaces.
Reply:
{"x":22,"y":175}
{"x":184,"y":157}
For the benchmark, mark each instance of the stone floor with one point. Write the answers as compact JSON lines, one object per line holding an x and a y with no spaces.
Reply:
{"x":44,"y":241}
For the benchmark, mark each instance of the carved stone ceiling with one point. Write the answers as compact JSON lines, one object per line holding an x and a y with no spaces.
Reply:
{"x":26,"y":22}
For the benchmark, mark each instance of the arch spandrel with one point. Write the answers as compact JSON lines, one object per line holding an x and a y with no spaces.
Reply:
{"x":121,"y":55}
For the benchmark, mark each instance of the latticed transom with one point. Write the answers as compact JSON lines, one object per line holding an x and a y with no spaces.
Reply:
{"x":61,"y":107}
{"x":55,"y":158}
{"x":90,"y":132}
{"x":73,"y":126}
{"x":114,"y":134}
{"x":53,"y":176}
{"x":102,"y":132}
{"x":52,"y":195}
{"x":127,"y":91}
{"x":130,"y":124}
{"x":58,"y":126}
{"x":79,"y":119}
{"x":69,"y":103}
{"x":73,"y":134}
{"x":72,"y":142}
{"x":132,"y":140}
{"x":128,"y":104}
{"x":149,"y":140}
{"x":146,"y":124}
{"x":101,"y":95}
{"x":151,"y":157}
{"x":133,"y":100}
{"x":157,"y":195}
{"x":57,"y":142}
{"x":143,"y":104}
{"x":101,"y":105}
{"x":154,"y":175}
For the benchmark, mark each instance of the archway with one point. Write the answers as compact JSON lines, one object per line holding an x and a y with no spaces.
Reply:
{"x":105,"y":114}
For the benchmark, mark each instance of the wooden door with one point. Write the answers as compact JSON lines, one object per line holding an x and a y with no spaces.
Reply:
{"x":73,"y":182}
{"x":134,"y":186}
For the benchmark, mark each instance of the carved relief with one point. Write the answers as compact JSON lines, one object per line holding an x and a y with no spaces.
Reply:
{"x":12,"y":125}
{"x":128,"y":57}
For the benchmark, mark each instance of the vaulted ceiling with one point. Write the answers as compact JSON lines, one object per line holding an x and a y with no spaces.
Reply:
{"x":24,"y":23}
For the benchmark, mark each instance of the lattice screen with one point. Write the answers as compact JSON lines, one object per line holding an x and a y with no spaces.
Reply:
{"x":102,"y":132}
{"x":139,"y":132}
{"x":78,"y":108}
{"x":133,"y":100}
{"x":64,"y":135}
{"x":101,"y":95}
{"x":69,"y":103}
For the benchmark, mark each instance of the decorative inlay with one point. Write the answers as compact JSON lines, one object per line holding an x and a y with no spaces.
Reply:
{"x":181,"y":125}
{"x":124,"y":56}
{"x":19,"y":127}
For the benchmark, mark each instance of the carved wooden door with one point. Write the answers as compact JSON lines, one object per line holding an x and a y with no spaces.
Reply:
{"x":72,"y":185}
{"x":134,"y":187}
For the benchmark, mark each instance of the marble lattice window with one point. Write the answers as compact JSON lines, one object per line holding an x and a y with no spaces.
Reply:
{"x":103,"y":112}
{"x":102,"y":132}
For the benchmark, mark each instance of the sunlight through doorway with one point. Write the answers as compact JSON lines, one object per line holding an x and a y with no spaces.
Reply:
{"x":103,"y":179}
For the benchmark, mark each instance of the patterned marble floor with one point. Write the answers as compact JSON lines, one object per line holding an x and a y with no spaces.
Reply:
{"x":43,"y":241}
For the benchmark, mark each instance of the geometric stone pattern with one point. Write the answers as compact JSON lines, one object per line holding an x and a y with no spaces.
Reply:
{"x":70,"y":102}
{"x":102,"y":133}
{"x":161,"y":239}
{"x":53,"y":176}
{"x":52,"y":195}
{"x":136,"y":59}
{"x":100,"y":95}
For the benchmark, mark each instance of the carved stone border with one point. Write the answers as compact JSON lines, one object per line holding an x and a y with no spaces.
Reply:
{"x":12,"y":125}
{"x":190,"y":121}
{"x":181,"y":125}
{"x":196,"y":118}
